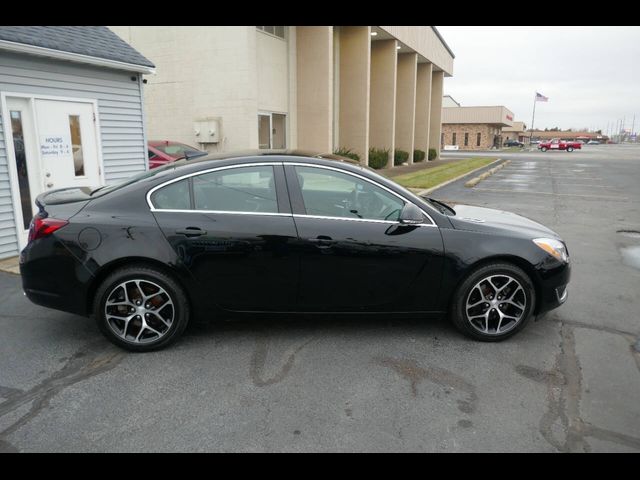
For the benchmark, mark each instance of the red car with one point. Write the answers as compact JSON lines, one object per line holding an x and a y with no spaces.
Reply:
{"x":162,"y":152}
{"x":557,"y":144}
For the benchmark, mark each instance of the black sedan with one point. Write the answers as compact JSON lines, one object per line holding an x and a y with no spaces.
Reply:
{"x":283,"y":232}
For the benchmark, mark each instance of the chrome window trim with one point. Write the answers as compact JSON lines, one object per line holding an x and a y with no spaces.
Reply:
{"x":204,"y":172}
{"x":223,"y":212}
{"x":346,"y":172}
{"x":272,"y":164}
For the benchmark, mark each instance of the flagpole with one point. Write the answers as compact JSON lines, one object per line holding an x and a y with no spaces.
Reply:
{"x":533,"y":117}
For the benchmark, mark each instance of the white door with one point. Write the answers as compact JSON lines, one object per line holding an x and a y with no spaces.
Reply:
{"x":55,"y":145}
{"x":68,"y":144}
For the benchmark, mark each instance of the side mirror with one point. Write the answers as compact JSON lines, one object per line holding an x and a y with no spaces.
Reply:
{"x":411,"y":215}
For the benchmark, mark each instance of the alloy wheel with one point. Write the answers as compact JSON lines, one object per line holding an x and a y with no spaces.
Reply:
{"x":496,"y":304}
{"x":139,"y":311}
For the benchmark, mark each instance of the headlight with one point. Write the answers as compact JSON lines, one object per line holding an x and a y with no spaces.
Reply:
{"x":553,"y":247}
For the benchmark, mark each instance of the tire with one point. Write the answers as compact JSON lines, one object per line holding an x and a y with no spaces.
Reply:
{"x":544,"y":149}
{"x":165,"y":308}
{"x":569,"y":149}
{"x":479,"y":326}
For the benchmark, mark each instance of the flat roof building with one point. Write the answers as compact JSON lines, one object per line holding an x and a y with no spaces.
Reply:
{"x":474,"y":128}
{"x":319,"y":88}
{"x":517,"y":131}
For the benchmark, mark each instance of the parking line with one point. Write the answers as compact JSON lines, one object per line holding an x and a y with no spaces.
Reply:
{"x":550,"y":193}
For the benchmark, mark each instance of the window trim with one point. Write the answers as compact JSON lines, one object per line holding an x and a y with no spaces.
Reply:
{"x":289,"y":187}
{"x":346,"y":172}
{"x":211,"y":170}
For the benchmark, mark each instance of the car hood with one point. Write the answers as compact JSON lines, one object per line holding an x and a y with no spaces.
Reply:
{"x":480,"y":219}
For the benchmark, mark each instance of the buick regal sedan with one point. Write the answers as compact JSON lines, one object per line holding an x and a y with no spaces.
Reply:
{"x":283,"y":233}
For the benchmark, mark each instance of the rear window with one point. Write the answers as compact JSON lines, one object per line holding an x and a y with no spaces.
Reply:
{"x":160,"y":171}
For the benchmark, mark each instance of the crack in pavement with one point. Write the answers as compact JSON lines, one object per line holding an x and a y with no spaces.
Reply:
{"x":564,"y":398}
{"x":91,"y":360}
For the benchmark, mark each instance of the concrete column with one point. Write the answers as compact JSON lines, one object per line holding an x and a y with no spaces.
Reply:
{"x":355,"y":74}
{"x":423,"y":107}
{"x":314,"y":72}
{"x":435,"y":123}
{"x":406,"y":103}
{"x":382,"y":112}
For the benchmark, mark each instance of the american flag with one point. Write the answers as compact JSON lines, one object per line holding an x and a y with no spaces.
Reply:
{"x":541,"y":98}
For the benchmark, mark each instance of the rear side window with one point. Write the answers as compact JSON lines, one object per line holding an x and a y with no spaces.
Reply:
{"x":242,"y":189}
{"x":174,"y":196}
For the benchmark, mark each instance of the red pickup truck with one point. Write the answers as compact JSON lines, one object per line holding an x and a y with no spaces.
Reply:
{"x":557,"y":144}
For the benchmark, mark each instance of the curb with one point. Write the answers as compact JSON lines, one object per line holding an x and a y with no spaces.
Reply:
{"x":474,"y":181}
{"x":429,"y":190}
{"x":10,"y":265}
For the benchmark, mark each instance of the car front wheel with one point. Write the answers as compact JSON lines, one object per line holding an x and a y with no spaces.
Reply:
{"x":544,"y":149}
{"x":140,"y":308}
{"x":494,"y":302}
{"x":569,"y":149}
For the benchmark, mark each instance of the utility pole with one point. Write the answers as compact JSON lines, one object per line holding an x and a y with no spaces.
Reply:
{"x":633,"y":125}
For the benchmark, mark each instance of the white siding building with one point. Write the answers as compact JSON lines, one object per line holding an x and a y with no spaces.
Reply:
{"x":71,"y":114}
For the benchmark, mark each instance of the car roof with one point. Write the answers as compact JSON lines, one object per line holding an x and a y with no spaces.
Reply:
{"x":264,"y":155}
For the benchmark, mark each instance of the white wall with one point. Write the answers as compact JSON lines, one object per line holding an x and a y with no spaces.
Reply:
{"x":201,"y":72}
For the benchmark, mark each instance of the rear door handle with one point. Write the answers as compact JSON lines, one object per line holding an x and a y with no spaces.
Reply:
{"x":322,"y":241}
{"x":191,"y":232}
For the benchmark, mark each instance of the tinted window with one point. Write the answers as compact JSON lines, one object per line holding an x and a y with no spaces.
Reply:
{"x":243,"y":189}
{"x":329,"y":193}
{"x":174,"y":196}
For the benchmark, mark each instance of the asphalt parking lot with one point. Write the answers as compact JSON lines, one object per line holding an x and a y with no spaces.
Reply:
{"x":569,"y":382}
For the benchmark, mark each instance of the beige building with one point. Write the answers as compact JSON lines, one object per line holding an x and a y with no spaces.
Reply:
{"x":474,"y":128}
{"x":312,"y":88}
{"x":517,"y":131}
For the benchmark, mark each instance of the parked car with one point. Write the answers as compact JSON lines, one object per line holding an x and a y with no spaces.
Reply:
{"x":162,"y":152}
{"x":593,"y":142}
{"x":286,"y":233}
{"x":512,"y":143}
{"x":557,"y":144}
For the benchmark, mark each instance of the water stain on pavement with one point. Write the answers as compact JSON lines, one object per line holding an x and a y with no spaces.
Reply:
{"x":541,"y":376}
{"x":414,"y":374}
{"x":631,"y":256}
{"x":259,"y":360}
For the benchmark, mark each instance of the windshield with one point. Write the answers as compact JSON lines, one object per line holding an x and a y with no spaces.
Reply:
{"x":175,"y":150}
{"x":98,"y":192}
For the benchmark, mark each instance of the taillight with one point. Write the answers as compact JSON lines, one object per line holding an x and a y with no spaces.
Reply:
{"x":43,"y":226}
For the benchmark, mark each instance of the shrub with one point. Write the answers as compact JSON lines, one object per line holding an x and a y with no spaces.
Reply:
{"x":432,"y":153}
{"x":400,"y":156}
{"x":378,"y":158}
{"x":418,"y":155}
{"x":346,"y":152}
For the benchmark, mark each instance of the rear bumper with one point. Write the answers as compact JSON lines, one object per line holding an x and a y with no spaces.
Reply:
{"x":53,"y":277}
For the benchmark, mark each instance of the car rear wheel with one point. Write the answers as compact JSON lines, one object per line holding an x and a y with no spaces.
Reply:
{"x":140,"y":308}
{"x":569,"y":149}
{"x":494,"y":302}
{"x":544,"y":149}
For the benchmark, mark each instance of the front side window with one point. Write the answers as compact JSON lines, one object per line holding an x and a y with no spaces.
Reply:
{"x":328,"y":193}
{"x":242,"y":189}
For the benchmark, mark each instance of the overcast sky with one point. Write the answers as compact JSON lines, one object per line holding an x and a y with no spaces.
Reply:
{"x":590,"y":74}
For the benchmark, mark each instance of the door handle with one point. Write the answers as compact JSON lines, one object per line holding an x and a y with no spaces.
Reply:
{"x":191,"y":232}
{"x":322,"y":241}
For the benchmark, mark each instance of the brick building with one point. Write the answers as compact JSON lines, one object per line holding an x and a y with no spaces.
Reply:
{"x":474,"y":128}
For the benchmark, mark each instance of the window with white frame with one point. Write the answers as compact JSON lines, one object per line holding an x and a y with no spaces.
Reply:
{"x":277,"y":31}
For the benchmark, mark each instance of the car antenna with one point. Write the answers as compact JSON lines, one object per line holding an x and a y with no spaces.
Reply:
{"x":190,"y":155}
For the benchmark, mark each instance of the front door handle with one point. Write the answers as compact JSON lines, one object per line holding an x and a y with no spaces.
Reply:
{"x":191,"y":232}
